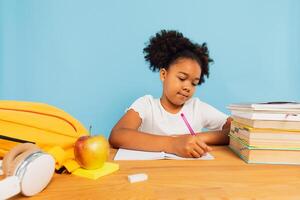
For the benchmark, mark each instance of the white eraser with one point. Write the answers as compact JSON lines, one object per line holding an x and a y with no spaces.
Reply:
{"x":137,"y":178}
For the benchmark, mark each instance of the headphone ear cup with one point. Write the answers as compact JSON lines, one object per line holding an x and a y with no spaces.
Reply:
{"x":17,"y":154}
{"x":19,"y":159}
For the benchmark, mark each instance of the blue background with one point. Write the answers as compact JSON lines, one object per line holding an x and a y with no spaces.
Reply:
{"x":86,"y":56}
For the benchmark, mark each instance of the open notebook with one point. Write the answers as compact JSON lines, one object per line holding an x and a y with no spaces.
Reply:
{"x":125,"y":154}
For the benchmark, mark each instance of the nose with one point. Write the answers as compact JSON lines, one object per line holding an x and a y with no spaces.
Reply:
{"x":186,"y":88}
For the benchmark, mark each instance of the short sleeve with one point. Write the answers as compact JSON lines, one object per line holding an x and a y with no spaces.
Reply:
{"x":140,"y":106}
{"x":212,"y":118}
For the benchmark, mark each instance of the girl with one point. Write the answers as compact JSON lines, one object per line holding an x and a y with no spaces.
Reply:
{"x":156,"y":124}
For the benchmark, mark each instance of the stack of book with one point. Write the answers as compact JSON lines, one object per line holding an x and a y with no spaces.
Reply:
{"x":267,"y":133}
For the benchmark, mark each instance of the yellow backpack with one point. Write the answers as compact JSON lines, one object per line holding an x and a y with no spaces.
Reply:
{"x":52,"y":129}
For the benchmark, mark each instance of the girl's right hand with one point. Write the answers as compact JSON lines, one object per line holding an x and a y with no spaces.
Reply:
{"x":189,"y":146}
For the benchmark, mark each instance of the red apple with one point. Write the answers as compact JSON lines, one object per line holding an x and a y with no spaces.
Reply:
{"x":91,"y":152}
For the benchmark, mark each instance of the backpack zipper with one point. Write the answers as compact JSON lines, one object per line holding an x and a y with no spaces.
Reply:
{"x":39,"y":113}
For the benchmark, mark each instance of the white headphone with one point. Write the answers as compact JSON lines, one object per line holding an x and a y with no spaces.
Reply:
{"x":27,"y":169}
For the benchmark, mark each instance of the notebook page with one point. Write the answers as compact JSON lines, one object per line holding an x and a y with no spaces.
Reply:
{"x":207,"y":156}
{"x":126,"y":154}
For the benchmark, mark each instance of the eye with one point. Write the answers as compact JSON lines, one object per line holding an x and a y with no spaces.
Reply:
{"x":195,"y":83}
{"x":181,"y":78}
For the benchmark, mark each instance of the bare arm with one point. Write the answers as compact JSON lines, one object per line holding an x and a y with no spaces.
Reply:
{"x":125,"y":134}
{"x":217,"y":137}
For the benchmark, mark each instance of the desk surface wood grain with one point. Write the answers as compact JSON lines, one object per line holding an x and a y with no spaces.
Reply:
{"x":226,"y":177}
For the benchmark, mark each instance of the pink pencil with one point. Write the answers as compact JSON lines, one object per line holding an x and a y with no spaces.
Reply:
{"x":187,"y":124}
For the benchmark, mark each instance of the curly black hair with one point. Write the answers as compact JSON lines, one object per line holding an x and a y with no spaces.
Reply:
{"x":167,"y":46}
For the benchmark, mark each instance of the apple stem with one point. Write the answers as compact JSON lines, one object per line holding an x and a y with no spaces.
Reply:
{"x":90,"y":129}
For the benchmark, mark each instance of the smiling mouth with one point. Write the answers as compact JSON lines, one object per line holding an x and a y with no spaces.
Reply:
{"x":185,"y":96}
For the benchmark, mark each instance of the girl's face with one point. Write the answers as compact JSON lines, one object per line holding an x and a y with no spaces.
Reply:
{"x":179,"y":83}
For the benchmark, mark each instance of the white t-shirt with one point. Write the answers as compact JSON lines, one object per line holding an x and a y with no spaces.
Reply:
{"x":156,"y":120}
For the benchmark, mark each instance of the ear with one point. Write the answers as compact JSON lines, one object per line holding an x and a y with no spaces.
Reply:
{"x":162,"y":74}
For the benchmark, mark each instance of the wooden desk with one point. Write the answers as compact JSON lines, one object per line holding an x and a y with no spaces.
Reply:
{"x":226,"y":177}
